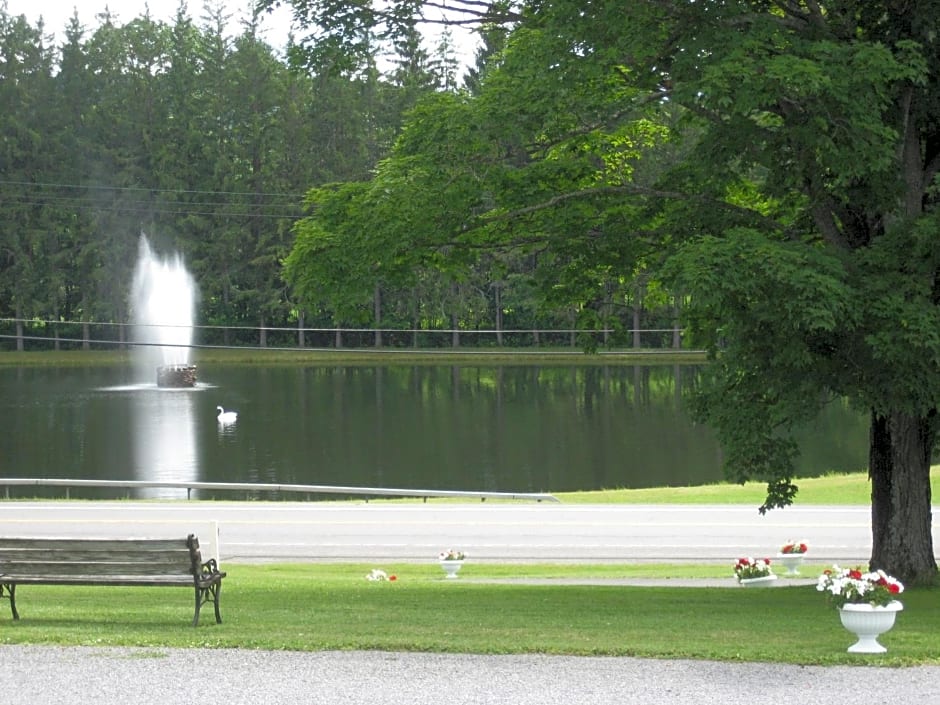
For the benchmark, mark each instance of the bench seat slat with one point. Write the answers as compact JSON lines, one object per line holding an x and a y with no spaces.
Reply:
{"x":181,"y":562}
{"x":92,"y":579}
{"x":94,"y":569}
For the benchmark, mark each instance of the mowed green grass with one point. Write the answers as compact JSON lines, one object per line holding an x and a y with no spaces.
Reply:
{"x":333,"y":606}
{"x":847,"y":488}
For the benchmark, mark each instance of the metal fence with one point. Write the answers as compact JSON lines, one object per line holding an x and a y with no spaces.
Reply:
{"x":22,"y":334}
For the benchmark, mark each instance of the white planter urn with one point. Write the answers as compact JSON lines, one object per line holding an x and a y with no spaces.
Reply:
{"x":868,"y":622}
{"x":791,"y":561}
{"x":451,"y":568}
{"x":764,"y":581}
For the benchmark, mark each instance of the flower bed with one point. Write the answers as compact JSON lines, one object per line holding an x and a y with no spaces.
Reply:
{"x":853,"y":586}
{"x":794,"y":547}
{"x":750,"y":568}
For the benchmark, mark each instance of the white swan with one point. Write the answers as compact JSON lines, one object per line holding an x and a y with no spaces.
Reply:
{"x":226,"y":416}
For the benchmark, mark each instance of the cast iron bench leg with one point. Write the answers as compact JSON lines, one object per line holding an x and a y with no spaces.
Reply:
{"x":198,"y":605}
{"x":210,"y":593}
{"x":10,"y":589}
{"x":217,"y":592}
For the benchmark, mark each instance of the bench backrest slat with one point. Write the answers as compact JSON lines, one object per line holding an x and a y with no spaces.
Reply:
{"x":94,"y":544}
{"x":39,"y":556}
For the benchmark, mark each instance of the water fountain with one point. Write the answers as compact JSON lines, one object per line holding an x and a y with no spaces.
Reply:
{"x":163,"y":298}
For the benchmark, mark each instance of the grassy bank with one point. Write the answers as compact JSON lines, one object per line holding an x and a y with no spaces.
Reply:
{"x":388,"y":356}
{"x":307,"y":607}
{"x":849,"y":488}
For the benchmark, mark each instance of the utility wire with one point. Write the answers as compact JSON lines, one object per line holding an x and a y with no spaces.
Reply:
{"x":220,"y":203}
{"x":144,"y":189}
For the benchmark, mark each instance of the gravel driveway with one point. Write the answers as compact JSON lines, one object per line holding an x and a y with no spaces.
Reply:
{"x":67,"y":676}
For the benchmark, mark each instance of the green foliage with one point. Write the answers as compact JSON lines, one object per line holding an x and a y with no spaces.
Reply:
{"x":774,"y":165}
{"x":204,"y":141}
{"x":524,"y":179}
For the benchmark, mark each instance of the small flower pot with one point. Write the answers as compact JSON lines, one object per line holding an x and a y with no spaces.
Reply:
{"x":451,"y":568}
{"x":791,"y":561}
{"x":764,"y":581}
{"x":868,"y":622}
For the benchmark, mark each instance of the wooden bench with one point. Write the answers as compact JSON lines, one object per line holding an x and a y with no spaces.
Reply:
{"x":63,"y":561}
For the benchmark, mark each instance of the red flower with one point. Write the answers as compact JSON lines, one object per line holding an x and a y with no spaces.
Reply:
{"x":855,"y":574}
{"x":393,"y":577}
{"x":894,"y":588}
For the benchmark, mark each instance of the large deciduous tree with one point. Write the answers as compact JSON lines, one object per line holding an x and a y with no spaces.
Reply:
{"x":794,"y":203}
{"x":827,"y":112}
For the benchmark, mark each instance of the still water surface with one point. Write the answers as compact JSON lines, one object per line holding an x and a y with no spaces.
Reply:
{"x":522,"y":429}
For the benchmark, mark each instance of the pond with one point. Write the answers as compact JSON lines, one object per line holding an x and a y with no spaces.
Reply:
{"x":503,"y":428}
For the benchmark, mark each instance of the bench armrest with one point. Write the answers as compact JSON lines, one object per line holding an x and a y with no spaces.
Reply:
{"x":210,"y":569}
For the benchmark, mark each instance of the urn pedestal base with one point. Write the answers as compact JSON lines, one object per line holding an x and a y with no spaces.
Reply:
{"x":868,"y":622}
{"x":451,"y":568}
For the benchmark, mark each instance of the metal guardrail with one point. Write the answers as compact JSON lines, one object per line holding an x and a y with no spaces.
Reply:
{"x":9,"y":482}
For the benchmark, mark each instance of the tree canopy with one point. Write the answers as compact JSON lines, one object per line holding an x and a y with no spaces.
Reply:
{"x":772,"y":164}
{"x":203,"y":139}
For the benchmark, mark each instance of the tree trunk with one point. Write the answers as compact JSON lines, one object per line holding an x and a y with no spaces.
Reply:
{"x":899,"y":468}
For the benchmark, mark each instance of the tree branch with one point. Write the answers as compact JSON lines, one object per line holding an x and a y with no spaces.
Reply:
{"x":475,"y":10}
{"x":631,"y":190}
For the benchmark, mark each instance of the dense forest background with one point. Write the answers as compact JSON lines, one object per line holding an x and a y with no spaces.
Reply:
{"x":210,"y":144}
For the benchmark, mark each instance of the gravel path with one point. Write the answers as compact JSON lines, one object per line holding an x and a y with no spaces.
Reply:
{"x":79,"y":675}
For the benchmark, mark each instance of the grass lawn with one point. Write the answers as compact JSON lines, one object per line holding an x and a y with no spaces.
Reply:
{"x":847,"y":488}
{"x":333,"y":606}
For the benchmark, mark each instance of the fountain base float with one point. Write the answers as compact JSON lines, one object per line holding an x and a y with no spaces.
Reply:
{"x":177,"y":376}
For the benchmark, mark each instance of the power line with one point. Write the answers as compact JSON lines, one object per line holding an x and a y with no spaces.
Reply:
{"x":145,"y":189}
{"x":143,"y":208}
{"x":163,"y":202}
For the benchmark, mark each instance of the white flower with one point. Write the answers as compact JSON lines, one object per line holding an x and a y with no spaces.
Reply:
{"x":853,"y":586}
{"x":377,"y":574}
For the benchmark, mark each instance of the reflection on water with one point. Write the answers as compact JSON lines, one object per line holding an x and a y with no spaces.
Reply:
{"x":525,"y":428}
{"x":165,"y":439}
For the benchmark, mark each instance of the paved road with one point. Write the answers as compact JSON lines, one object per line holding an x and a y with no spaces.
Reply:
{"x":299,"y":531}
